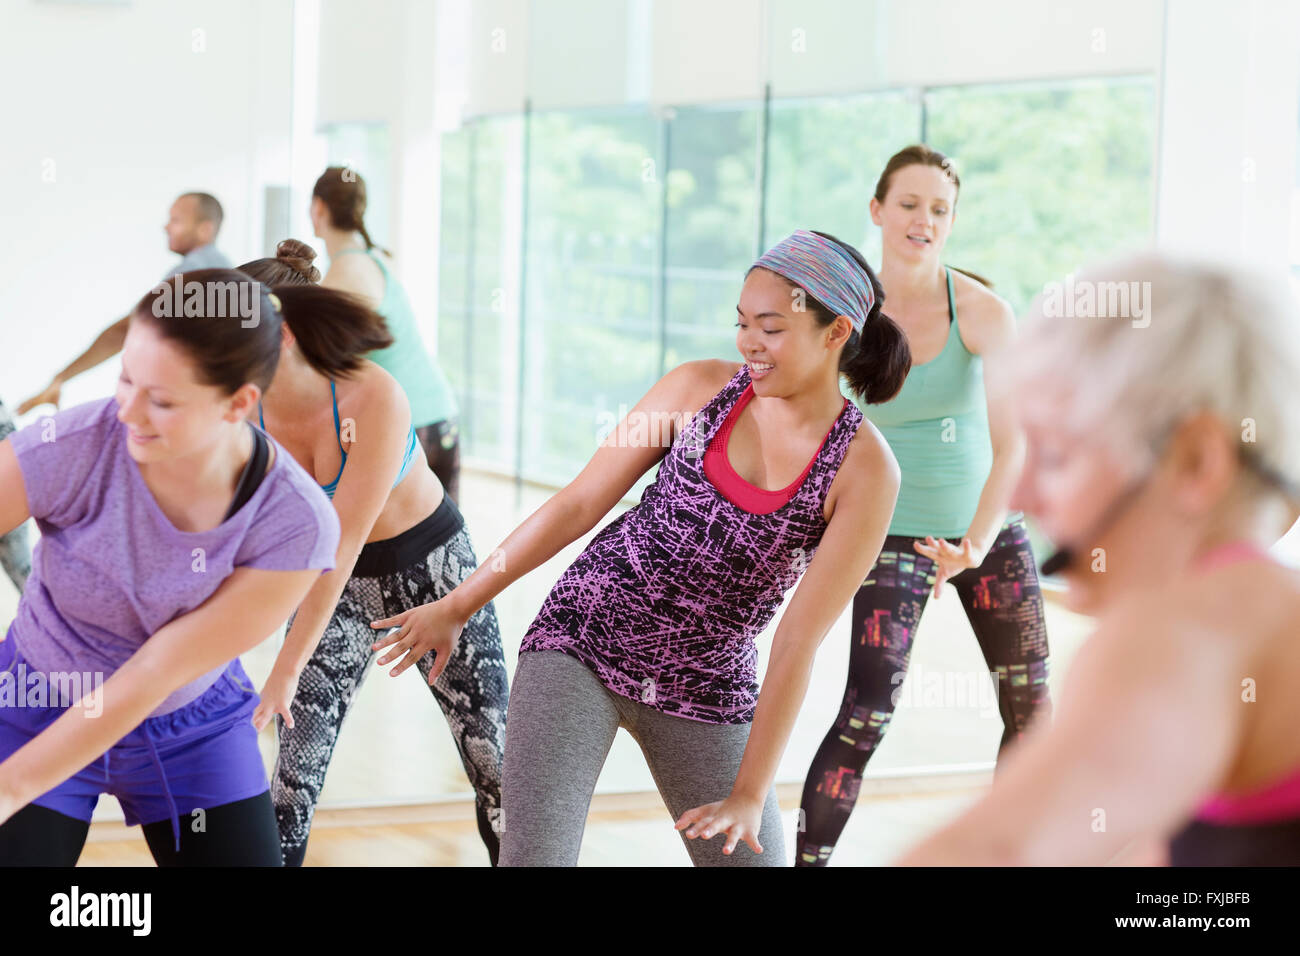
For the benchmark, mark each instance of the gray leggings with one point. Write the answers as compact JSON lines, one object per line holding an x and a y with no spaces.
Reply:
{"x":560,"y":726}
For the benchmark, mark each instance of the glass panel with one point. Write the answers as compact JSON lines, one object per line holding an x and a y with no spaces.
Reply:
{"x":1053,"y":177}
{"x":455,"y":265}
{"x":712,"y":227}
{"x":824,"y":156}
{"x":491,"y":307}
{"x":364,"y":148}
{"x":591,"y":322}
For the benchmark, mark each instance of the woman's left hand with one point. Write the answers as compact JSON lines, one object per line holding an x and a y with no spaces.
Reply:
{"x":949,"y":559}
{"x":737,"y":817}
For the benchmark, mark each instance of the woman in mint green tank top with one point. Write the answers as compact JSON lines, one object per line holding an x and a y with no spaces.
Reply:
{"x":338,"y":208}
{"x":960,"y":458}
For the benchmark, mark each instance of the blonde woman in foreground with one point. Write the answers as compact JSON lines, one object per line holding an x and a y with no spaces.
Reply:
{"x":1164,"y":456}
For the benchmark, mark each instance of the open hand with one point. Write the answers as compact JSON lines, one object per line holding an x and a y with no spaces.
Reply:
{"x":949,"y":559}
{"x":738,"y":818}
{"x":50,"y":396}
{"x":277,"y":697}
{"x":412,"y":634}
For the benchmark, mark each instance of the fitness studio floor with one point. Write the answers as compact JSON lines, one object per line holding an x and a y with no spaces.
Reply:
{"x":397,"y":794}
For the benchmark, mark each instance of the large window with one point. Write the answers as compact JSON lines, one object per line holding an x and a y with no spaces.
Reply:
{"x":1052,"y":177}
{"x":479,"y":282}
{"x":712,"y":223}
{"x":824,"y":157}
{"x":629,"y":231}
{"x":591,"y":326}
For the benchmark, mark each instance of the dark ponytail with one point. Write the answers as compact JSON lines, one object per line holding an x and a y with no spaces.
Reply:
{"x":877,"y":359}
{"x":343,"y":192}
{"x":974,"y":275}
{"x":334,"y":329}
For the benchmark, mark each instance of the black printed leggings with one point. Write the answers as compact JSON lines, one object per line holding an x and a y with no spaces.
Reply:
{"x":1005,"y":608}
{"x":419,"y":566}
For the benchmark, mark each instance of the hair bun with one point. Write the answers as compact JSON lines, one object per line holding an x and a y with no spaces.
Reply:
{"x":298,"y":256}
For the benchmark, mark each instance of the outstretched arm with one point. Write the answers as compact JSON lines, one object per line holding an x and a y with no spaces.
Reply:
{"x":108,"y":344}
{"x":362,"y":493}
{"x":848,"y":549}
{"x":239,"y":615}
{"x":627,"y":453}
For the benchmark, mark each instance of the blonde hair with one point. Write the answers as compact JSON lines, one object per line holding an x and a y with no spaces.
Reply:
{"x":1145,"y":340}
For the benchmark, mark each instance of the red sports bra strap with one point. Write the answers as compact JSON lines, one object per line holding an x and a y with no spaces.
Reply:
{"x":1230,"y":552}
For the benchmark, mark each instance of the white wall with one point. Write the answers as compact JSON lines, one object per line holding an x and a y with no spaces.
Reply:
{"x":1228,"y":135}
{"x":376,"y":64}
{"x":126,"y":107}
{"x":573,"y":53}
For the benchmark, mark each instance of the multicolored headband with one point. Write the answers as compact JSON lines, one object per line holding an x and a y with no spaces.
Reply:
{"x":828,"y":273}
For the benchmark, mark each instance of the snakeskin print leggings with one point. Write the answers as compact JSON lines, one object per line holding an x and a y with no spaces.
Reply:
{"x":1004,"y":605}
{"x":15,"y":553}
{"x":472,"y":690}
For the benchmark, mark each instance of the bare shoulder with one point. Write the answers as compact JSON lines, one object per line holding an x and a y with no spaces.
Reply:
{"x":869,"y":455}
{"x":1233,"y":612}
{"x":1247,"y":604}
{"x":372,"y":394}
{"x":356,"y":274}
{"x":985,"y":319}
{"x":868,"y":469}
{"x":697,"y":381}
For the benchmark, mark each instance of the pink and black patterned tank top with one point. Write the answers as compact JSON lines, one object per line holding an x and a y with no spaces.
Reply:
{"x":665,"y":603}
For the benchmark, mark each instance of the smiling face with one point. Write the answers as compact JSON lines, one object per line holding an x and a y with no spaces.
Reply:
{"x":917,"y":215}
{"x":778,"y":337}
{"x":167,"y":411}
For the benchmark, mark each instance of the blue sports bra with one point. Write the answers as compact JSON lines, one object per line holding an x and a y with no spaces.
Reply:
{"x":411,"y":446}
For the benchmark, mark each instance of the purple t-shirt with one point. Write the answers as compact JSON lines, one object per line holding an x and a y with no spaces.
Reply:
{"x":110,"y":569}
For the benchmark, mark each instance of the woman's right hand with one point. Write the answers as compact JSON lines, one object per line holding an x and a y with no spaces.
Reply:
{"x":50,"y":396}
{"x":429,"y":627}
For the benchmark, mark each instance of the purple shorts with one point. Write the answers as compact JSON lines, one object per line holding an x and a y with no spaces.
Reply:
{"x":199,"y":756}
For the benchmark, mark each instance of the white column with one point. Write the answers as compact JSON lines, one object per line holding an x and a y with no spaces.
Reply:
{"x":1228,"y":129}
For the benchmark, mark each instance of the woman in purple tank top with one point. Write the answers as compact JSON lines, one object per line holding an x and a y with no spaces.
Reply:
{"x":1164,"y":457}
{"x":767,"y":476}
{"x":174,"y":537}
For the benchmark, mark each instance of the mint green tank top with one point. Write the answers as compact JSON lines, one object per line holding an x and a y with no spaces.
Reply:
{"x":407,"y":360}
{"x":938,"y":429}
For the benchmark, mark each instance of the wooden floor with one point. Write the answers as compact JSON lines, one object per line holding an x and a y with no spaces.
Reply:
{"x":622,"y":830}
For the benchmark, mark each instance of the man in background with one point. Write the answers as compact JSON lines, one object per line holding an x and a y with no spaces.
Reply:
{"x":192,"y":231}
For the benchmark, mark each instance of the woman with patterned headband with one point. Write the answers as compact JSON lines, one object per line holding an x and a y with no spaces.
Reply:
{"x":959,"y":454}
{"x":766,"y":476}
